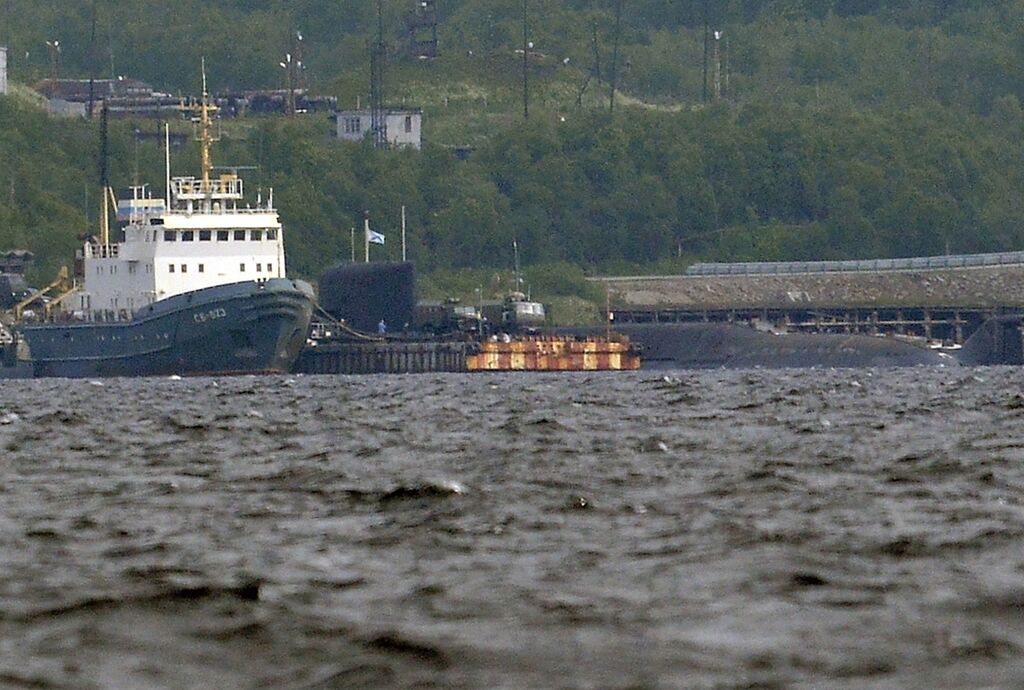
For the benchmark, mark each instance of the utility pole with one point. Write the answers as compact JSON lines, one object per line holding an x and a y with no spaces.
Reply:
{"x":526,"y":48}
{"x":403,"y":232}
{"x":300,"y":66}
{"x":717,"y":75}
{"x":92,"y":63}
{"x":704,"y":93}
{"x":377,"y":56}
{"x":289,"y":98}
{"x":595,"y":69}
{"x":615,"y":56}
{"x":53,"y":47}
{"x":366,"y":234}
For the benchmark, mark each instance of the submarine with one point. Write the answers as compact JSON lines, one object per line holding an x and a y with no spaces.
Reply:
{"x":665,"y":346}
{"x":364,"y":294}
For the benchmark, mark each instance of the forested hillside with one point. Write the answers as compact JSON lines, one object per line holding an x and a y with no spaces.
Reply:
{"x":845,"y":129}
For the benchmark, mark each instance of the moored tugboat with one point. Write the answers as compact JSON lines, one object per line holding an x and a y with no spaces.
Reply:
{"x":193,"y":286}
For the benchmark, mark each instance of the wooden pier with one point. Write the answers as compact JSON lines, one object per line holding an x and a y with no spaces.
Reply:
{"x":382,"y":358}
{"x":531,"y":353}
{"x":555,"y":353}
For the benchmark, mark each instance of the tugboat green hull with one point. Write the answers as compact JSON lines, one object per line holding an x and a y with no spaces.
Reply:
{"x":240,"y":328}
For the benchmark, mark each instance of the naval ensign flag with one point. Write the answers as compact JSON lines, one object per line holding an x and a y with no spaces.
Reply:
{"x":369,"y":235}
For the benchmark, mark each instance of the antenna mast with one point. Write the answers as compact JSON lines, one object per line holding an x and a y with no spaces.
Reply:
{"x":205,"y":139}
{"x":167,"y":165}
{"x":519,"y":276}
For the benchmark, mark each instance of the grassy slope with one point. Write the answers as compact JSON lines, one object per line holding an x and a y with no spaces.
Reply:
{"x":466,"y":98}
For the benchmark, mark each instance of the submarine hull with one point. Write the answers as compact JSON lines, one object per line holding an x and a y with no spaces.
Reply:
{"x":714,"y":346}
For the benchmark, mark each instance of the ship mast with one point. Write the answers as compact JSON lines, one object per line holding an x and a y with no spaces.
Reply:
{"x":104,"y":179}
{"x":205,"y":138}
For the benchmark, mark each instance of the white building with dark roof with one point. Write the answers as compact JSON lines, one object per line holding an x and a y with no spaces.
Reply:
{"x":404,"y":125}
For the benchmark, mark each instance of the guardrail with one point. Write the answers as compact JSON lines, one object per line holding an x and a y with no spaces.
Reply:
{"x":859,"y":265}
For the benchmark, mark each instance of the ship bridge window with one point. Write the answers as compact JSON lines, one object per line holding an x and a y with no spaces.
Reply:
{"x":184,"y":268}
{"x":170,"y":269}
{"x":241,"y":268}
{"x":202,"y":268}
{"x":272,"y":234}
{"x":259,"y":268}
{"x":270,"y":268}
{"x":170,"y":236}
{"x":156,"y":221}
{"x":256,"y":235}
{"x":204,"y":235}
{"x":239,"y":235}
{"x":188,"y":236}
{"x":222,"y":235}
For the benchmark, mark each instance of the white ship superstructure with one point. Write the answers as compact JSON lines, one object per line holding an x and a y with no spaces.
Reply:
{"x":206,"y":236}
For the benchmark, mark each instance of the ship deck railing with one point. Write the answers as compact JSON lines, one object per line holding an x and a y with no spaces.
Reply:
{"x":101,"y":251}
{"x":222,"y":209}
{"x":191,"y":188}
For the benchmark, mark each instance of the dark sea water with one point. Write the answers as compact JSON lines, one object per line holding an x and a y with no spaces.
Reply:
{"x":808,"y":529}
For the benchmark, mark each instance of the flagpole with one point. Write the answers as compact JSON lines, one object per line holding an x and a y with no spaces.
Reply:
{"x":403,"y":232}
{"x":353,"y":229}
{"x":366,"y":233}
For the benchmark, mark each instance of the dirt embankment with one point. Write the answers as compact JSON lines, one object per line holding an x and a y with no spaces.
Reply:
{"x":968,"y":287}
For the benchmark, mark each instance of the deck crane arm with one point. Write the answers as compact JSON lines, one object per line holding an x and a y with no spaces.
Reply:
{"x":62,"y":282}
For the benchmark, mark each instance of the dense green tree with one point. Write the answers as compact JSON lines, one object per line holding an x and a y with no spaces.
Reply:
{"x":846,"y":129}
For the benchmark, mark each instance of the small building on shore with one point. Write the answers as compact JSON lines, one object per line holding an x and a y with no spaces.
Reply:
{"x":404,"y":125}
{"x":3,"y":71}
{"x":273,"y":102}
{"x":123,"y":97}
{"x":16,"y":261}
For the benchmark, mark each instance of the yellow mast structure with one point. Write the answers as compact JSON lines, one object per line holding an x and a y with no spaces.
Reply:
{"x":104,"y":218}
{"x":201,"y":116}
{"x":205,"y":138}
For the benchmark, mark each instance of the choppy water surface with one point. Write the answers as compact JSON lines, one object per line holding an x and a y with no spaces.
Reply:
{"x":706,"y":529}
